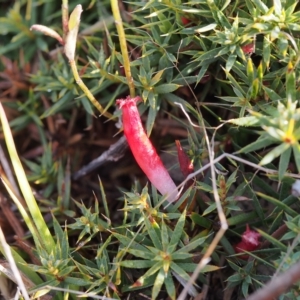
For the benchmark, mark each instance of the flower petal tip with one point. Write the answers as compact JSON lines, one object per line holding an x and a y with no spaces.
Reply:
{"x":128,"y":101}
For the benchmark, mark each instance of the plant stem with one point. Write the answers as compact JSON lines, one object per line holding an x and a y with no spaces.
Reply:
{"x":123,"y":45}
{"x":65,"y":17}
{"x":28,"y":10}
{"x":87,"y":92}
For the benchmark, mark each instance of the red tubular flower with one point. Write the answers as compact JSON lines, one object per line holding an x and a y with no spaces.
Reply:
{"x":143,"y":150}
{"x":249,"y":242}
{"x":186,"y":165}
{"x":185,"y":21}
{"x":249,"y":48}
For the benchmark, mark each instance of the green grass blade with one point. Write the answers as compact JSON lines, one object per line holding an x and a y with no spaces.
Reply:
{"x":278,"y":204}
{"x":46,"y":238}
{"x":25,"y":216}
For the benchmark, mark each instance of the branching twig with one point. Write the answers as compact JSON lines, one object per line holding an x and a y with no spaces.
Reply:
{"x":234,"y":157}
{"x":221,"y":214}
{"x":114,"y":153}
{"x":223,"y":222}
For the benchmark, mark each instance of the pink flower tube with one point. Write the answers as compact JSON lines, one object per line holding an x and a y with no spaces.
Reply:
{"x":143,"y":150}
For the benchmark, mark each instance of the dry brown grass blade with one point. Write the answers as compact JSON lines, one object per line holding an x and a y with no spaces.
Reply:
{"x":278,"y":285}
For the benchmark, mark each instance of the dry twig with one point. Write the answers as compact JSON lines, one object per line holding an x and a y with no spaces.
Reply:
{"x":278,"y":285}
